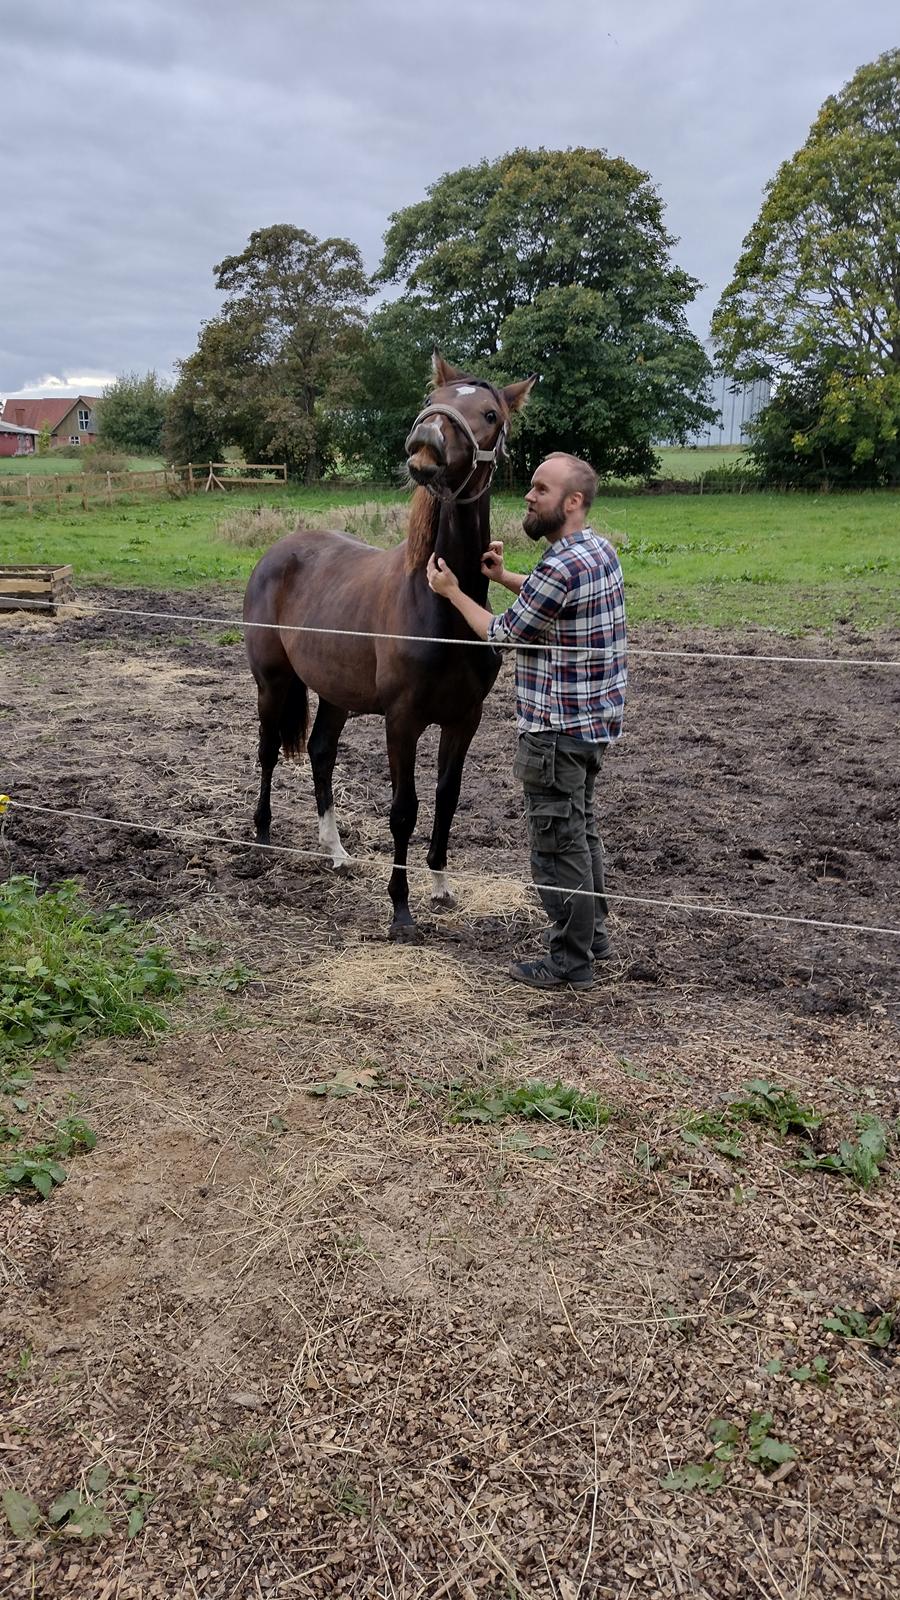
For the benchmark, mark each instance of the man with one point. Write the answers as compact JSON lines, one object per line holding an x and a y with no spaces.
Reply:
{"x":570,"y":696}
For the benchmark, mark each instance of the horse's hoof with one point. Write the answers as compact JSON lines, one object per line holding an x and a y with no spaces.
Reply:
{"x":444,"y":902}
{"x":404,"y":933}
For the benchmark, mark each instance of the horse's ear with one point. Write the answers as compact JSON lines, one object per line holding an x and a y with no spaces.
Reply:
{"x":442,"y":371}
{"x":516,"y":394}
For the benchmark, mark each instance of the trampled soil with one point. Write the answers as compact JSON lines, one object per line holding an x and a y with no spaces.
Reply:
{"x":346,"y":1346}
{"x":773,"y":789}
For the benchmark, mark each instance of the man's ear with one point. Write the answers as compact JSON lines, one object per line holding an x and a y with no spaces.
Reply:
{"x":516,"y":394}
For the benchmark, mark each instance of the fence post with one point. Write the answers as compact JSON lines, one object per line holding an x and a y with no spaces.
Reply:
{"x":84,"y":505}
{"x":28,"y":492}
{"x":58,"y":491}
{"x":190,"y":477}
{"x":108,"y":489}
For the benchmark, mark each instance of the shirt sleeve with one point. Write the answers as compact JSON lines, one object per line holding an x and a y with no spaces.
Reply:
{"x":536,"y":607}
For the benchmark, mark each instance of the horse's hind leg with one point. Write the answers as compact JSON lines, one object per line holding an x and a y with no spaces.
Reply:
{"x":322,"y":749}
{"x":282,"y":703}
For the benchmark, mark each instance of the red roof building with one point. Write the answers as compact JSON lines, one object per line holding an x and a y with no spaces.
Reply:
{"x":71,"y":421}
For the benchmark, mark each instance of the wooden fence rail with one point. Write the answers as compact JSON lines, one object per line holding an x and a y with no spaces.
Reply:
{"x":42,"y":488}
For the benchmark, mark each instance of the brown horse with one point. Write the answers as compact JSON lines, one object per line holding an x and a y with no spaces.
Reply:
{"x":329,"y":581}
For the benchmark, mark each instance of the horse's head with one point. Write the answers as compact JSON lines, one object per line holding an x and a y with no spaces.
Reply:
{"x":462,"y":427}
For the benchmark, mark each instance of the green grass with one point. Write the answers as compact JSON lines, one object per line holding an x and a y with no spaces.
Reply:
{"x":692,"y":462}
{"x":788,"y":562}
{"x":69,"y":466}
{"x":674,"y":463}
{"x":68,"y":971}
{"x":794,"y":563}
{"x":158,"y":543}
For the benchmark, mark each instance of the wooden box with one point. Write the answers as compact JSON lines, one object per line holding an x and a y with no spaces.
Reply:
{"x":44,"y":587}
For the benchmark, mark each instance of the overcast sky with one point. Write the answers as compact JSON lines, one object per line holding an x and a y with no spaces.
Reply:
{"x":144,"y":142}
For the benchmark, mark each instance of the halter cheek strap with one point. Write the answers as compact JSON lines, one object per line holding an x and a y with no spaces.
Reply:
{"x":478,"y":455}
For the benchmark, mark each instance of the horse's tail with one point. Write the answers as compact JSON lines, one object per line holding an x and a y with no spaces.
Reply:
{"x":293,"y":722}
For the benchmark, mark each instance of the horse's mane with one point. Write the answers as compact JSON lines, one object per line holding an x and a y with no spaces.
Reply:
{"x":424,"y":513}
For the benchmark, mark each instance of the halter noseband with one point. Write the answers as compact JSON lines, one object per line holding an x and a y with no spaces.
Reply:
{"x":449,"y":496}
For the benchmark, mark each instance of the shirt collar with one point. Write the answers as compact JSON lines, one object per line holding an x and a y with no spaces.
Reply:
{"x":569,"y":539}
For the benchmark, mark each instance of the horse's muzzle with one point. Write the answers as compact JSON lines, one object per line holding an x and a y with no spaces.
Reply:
{"x":426,"y":456}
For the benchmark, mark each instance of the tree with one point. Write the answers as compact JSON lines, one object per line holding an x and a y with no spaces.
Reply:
{"x":385,"y":381}
{"x":44,"y":439}
{"x":194,"y":427}
{"x":559,"y":262}
{"x":607,"y":396}
{"x":267,"y":370}
{"x":815,"y":297}
{"x":132,"y":413}
{"x":830,"y":429}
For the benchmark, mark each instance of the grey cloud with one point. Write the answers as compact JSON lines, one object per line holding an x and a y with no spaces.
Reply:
{"x":148,"y":142}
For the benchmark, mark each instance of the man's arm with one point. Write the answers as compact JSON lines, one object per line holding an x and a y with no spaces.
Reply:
{"x":443,"y":581}
{"x":538,"y":603}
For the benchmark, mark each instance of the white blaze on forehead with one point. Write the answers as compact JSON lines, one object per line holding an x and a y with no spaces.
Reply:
{"x":465,"y":388}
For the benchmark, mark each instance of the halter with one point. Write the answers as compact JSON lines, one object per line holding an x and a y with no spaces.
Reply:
{"x":451,"y":496}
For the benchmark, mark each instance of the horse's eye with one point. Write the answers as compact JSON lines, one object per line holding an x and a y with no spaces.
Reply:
{"x":490,"y":416}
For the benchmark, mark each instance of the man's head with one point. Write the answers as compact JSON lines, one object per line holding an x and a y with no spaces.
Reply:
{"x":561,"y":494}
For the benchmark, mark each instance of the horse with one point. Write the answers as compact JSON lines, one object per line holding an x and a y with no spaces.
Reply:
{"x":379,"y":606}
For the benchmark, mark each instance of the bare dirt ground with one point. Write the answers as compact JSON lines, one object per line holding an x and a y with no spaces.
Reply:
{"x":335,"y":1344}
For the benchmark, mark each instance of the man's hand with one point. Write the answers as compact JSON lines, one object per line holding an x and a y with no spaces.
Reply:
{"x":440,"y":578}
{"x":442,"y":581}
{"x":493,"y":568}
{"x":492,"y":561}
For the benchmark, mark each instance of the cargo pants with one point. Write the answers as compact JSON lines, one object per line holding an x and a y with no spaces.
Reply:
{"x":559,"y":774}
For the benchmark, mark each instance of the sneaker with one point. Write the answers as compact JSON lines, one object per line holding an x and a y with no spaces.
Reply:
{"x":540,"y":975}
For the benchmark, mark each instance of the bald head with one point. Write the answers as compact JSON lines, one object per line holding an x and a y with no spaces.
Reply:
{"x":572,"y":475}
{"x":557,"y":502}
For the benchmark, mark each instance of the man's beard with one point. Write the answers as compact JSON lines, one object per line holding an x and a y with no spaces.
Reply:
{"x":544,"y":525}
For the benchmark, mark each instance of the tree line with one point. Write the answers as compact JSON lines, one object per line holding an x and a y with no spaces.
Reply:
{"x":559,"y":263}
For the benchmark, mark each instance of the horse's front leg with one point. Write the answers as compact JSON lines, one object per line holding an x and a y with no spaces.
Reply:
{"x":452,"y":752}
{"x":402,"y":740}
{"x":322,"y":750}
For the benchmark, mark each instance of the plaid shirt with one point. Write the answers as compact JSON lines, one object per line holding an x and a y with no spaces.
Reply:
{"x":574,"y":599}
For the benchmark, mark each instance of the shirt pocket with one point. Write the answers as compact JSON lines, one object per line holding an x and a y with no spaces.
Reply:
{"x":535,"y":762}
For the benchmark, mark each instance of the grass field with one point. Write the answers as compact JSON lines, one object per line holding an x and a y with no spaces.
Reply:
{"x":70,"y":466}
{"x":691,"y":463}
{"x":793,"y":563}
{"x":674,"y":463}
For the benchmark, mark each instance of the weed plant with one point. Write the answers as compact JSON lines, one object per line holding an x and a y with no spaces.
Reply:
{"x":68,"y":970}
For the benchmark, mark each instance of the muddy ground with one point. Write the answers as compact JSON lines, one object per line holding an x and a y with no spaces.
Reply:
{"x":346,"y":1346}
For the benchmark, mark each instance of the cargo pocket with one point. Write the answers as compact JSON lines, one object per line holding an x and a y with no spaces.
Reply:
{"x":549,"y":823}
{"x":535,"y":762}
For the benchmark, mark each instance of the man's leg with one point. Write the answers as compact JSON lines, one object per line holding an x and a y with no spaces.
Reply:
{"x":561,"y":863}
{"x":572,"y":930}
{"x":600,"y":944}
